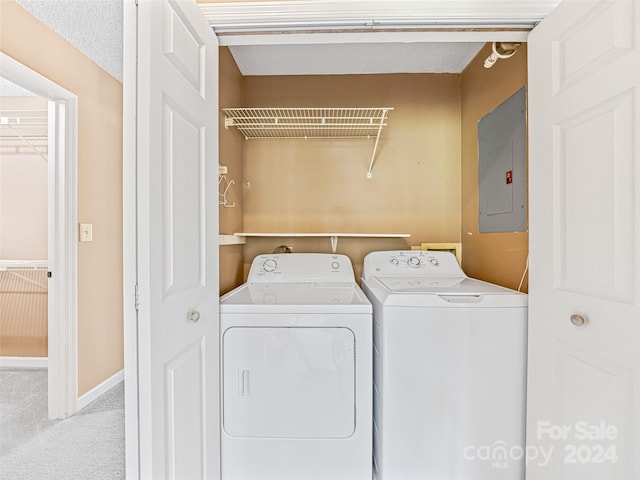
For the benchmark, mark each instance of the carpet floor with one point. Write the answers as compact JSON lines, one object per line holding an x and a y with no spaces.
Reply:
{"x":88,"y":445}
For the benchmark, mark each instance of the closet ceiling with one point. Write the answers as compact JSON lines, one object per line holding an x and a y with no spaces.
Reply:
{"x":307,"y":37}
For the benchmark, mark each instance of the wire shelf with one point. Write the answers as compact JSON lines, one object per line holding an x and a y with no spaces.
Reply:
{"x":358,"y":123}
{"x":307,"y":122}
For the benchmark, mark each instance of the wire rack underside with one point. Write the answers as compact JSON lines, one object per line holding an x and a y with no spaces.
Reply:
{"x":307,"y":122}
{"x":23,"y":131}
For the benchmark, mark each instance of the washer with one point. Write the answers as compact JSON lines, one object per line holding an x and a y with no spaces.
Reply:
{"x":296,"y":367}
{"x":449,"y":370}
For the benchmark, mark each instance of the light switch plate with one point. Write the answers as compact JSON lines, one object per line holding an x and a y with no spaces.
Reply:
{"x":86,"y":232}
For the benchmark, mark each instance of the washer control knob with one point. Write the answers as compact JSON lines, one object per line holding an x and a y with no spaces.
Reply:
{"x":269,"y":265}
{"x":335,"y":266}
{"x":434,"y":262}
{"x":413,"y":262}
{"x":394,"y":261}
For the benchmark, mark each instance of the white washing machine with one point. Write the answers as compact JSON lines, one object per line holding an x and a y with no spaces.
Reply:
{"x":449,"y":370}
{"x":296,"y":365}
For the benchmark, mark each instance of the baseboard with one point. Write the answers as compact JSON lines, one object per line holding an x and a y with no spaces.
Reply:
{"x":100,"y":389}
{"x":24,"y":362}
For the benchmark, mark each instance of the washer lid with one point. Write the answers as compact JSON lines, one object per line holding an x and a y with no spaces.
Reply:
{"x":441,"y":285}
{"x":444,"y":292}
{"x":307,"y":297}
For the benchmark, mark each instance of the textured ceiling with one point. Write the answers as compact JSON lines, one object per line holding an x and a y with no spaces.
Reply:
{"x":9,"y":89}
{"x":92,"y":26}
{"x":366,"y":36}
{"x":354,"y":58}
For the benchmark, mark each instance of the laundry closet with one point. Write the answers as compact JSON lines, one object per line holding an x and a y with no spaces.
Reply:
{"x":424,"y":174}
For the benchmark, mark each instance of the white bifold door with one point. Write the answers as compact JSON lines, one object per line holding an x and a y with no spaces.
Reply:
{"x":177,"y":247}
{"x":584,"y":324}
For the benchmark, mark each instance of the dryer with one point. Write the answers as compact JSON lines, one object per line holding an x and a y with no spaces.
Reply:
{"x":296,"y":371}
{"x":449,"y":370}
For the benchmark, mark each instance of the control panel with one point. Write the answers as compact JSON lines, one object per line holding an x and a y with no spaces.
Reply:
{"x":411,"y":262}
{"x":301,"y":267}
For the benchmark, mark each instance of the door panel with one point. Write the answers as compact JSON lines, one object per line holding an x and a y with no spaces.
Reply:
{"x":596,"y":38}
{"x":596,"y":206}
{"x":183,"y":199}
{"x":178,"y":319}
{"x":186,"y":412}
{"x":584,"y":317}
{"x":183,"y":47}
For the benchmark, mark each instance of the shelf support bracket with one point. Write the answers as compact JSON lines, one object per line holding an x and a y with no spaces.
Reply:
{"x":334,"y":243}
{"x":375,"y":146}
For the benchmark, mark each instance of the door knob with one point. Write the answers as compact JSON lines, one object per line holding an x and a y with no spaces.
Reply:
{"x":578,"y":320}
{"x":193,"y":316}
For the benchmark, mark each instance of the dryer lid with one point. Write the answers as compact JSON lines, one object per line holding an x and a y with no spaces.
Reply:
{"x":307,"y":297}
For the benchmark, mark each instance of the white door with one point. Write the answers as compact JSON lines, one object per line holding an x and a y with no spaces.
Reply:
{"x":177,"y":256}
{"x":584,"y":323}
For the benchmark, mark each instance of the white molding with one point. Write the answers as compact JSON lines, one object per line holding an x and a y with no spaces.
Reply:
{"x":24,"y":362}
{"x":129,"y":238}
{"x":324,"y":38}
{"x":62,"y":200}
{"x":24,"y":263}
{"x":100,"y":389}
{"x":372,"y":14}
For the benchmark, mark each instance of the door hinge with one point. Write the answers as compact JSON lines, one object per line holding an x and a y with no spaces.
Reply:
{"x":137,"y":297}
{"x":49,"y":274}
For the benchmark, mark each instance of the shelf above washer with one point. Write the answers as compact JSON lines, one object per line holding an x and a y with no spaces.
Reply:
{"x":333,"y":236}
{"x":363,"y":123}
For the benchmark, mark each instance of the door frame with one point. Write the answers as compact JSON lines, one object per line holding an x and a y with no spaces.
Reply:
{"x":62,"y":236}
{"x":130,"y":236}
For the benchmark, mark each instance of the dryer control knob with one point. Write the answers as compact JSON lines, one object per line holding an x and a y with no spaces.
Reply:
{"x":269,"y":265}
{"x":394,"y":261}
{"x":335,"y":266}
{"x":434,"y":262}
{"x":413,"y":262}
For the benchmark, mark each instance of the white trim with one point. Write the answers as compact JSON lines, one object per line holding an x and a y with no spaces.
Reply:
{"x":129,"y":219}
{"x":373,"y":14}
{"x":23,"y":263}
{"x":24,"y":362}
{"x":323,"y":38}
{"x":100,"y":389}
{"x":62,"y":201}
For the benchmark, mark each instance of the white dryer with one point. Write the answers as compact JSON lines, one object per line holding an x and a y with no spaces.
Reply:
{"x":449,"y":370}
{"x":296,"y":368}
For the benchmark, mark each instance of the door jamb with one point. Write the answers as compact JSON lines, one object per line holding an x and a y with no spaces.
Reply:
{"x":130,"y":237}
{"x":62,"y":237}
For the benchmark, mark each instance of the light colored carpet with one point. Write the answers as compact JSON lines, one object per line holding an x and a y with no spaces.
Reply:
{"x":88,"y":445}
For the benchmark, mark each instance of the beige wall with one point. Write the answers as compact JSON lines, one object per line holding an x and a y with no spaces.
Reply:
{"x":100,"y":314}
{"x":496,"y":257}
{"x":23,"y":195}
{"x":231,"y":256}
{"x":321,"y":185}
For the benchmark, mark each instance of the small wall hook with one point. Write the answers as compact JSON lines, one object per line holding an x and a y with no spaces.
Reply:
{"x":222,"y":196}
